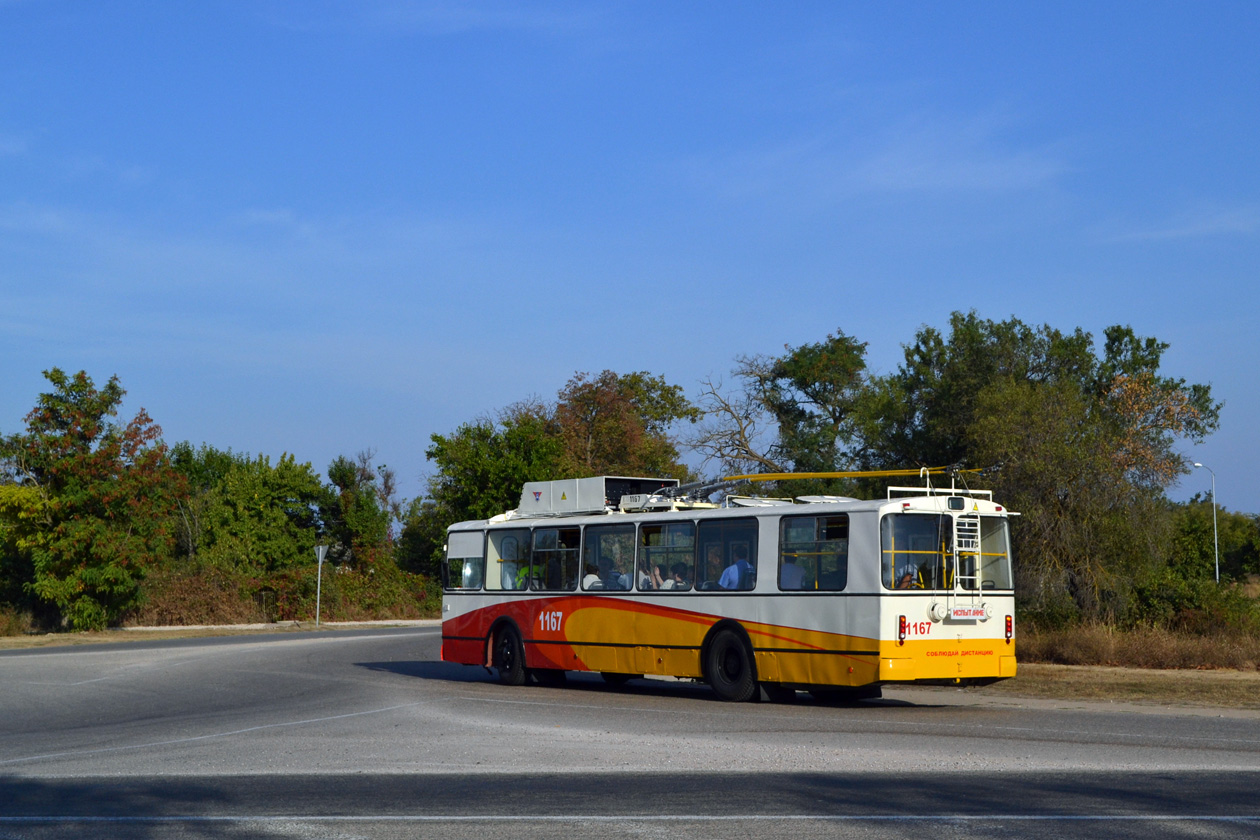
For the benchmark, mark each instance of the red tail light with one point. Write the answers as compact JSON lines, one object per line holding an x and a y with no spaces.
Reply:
{"x":1010,"y":628}
{"x":901,"y":629}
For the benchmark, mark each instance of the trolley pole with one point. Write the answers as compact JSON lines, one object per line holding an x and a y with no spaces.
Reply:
{"x":1216,"y":545}
{"x":320,"y":551}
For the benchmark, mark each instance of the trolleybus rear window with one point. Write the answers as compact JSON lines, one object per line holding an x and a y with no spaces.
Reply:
{"x":915,"y":549}
{"x":995,"y":553}
{"x":918,"y":552}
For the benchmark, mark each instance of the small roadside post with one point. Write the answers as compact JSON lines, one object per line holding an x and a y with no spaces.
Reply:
{"x":320,"y":551}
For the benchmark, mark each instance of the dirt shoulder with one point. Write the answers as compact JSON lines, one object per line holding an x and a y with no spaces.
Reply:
{"x":1201,"y":689}
{"x":1215,"y":688}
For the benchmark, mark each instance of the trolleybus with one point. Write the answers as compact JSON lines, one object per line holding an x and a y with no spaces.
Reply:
{"x":632,"y":576}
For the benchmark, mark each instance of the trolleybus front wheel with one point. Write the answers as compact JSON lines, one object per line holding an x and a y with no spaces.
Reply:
{"x":509,"y":656}
{"x":729,"y":667}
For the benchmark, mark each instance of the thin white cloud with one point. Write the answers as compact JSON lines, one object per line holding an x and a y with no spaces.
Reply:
{"x":947,"y":157}
{"x":1236,"y":221}
{"x":431,"y":17}
{"x":920,"y":155}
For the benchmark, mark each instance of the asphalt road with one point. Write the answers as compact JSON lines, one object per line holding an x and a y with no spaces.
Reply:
{"x":342,"y":734}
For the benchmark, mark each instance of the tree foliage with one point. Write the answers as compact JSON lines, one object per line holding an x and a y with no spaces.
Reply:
{"x":360,"y":512}
{"x":808,"y":395}
{"x":261,"y":518}
{"x":609,"y":424}
{"x":1085,"y":441}
{"x":103,"y":499}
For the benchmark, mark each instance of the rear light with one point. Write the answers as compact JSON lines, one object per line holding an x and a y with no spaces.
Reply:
{"x":901,"y":629}
{"x":1010,"y":627}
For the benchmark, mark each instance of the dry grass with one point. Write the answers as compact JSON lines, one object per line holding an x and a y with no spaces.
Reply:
{"x":15,"y":623}
{"x":1219,"y":689}
{"x":1141,"y":648}
{"x":177,"y":599}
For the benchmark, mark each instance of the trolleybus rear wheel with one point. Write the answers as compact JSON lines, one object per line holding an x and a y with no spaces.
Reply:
{"x":729,"y":667}
{"x":509,"y":656}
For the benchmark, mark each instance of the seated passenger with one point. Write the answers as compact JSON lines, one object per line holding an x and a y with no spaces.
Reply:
{"x":934,"y":576}
{"x":678,"y":576}
{"x":791,"y":576}
{"x":613,"y":578}
{"x":738,"y":575}
{"x":591,"y":579}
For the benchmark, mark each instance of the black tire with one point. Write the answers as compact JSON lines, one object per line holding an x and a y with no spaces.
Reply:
{"x":617,"y":679}
{"x":509,"y":656}
{"x":729,"y":668}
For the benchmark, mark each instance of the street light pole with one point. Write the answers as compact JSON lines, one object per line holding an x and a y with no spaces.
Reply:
{"x":1216,"y":550}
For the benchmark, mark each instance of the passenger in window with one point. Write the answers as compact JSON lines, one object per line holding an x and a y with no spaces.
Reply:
{"x":678,"y":576}
{"x":592,"y":581}
{"x":907,"y":581}
{"x":934,"y":575}
{"x":738,"y":575}
{"x":712,"y":565}
{"x":791,"y":576}
{"x":612,"y":576}
{"x":657,"y":579}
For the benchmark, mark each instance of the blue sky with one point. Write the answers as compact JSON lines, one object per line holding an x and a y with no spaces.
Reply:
{"x":321,"y":227}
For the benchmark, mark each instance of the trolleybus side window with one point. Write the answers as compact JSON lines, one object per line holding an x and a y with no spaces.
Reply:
{"x":728,"y":555}
{"x":507,"y":559}
{"x":814,"y":552}
{"x":916,"y":550}
{"x":667,"y":556}
{"x":995,"y":553}
{"x":554,"y":558}
{"x":608,"y":557}
{"x":465,"y":560}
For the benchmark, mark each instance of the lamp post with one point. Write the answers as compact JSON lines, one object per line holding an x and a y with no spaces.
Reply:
{"x":1216,"y":551}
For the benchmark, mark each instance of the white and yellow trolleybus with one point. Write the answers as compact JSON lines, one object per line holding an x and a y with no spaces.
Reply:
{"x":631,"y":577}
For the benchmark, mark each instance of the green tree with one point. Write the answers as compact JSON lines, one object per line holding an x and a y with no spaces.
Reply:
{"x":1086,"y":440}
{"x":808,"y":396}
{"x":360,"y":512}
{"x":17,"y":569}
{"x":203,"y":469}
{"x":922,"y":413}
{"x":618,"y":424}
{"x":258,"y":518}
{"x":104,"y":503}
{"x":610,"y":424}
